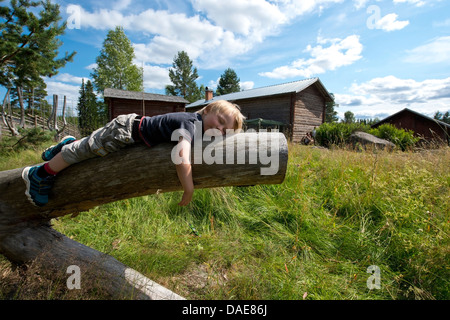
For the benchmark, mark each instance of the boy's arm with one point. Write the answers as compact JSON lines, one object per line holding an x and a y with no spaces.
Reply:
{"x":184,"y":172}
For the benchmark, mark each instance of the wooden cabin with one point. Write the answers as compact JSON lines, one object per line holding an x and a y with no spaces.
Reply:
{"x":148,"y":104}
{"x":299,"y":105}
{"x":427,"y":128}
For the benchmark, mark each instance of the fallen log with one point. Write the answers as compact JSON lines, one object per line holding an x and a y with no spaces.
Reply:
{"x":25,"y":234}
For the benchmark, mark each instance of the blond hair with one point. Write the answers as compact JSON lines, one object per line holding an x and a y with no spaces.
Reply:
{"x":223,"y":106}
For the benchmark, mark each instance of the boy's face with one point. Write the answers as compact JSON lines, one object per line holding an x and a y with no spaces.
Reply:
{"x":219,"y":121}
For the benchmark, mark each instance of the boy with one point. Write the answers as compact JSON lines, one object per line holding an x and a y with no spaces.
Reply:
{"x":126,"y":130}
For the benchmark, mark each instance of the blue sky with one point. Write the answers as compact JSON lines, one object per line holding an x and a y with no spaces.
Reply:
{"x":376,"y":56}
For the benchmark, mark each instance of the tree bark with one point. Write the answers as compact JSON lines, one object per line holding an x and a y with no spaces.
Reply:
{"x":22,"y":107}
{"x":25,"y":234}
{"x":10,"y":123}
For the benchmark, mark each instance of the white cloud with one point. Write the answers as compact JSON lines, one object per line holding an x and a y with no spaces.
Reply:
{"x":102,"y":19}
{"x":360,"y":3}
{"x":91,"y":66}
{"x":155,"y":77}
{"x":339,"y":53}
{"x":170,"y":33}
{"x":435,"y":51}
{"x":393,"y":89}
{"x":444,"y":24}
{"x":246,"y":85}
{"x":390,"y":23}
{"x":256,"y":18}
{"x":295,"y":8}
{"x":121,"y":4}
{"x":390,"y":94}
{"x":63,"y":89}
{"x":219,"y":31}
{"x":160,"y":51}
{"x":65,"y":77}
{"x":418,"y":3}
{"x":64,"y":84}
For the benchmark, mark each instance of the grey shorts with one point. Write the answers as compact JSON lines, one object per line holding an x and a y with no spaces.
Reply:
{"x":115,"y":135}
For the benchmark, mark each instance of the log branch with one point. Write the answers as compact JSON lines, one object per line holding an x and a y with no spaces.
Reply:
{"x":135,"y":171}
{"x":54,"y":253}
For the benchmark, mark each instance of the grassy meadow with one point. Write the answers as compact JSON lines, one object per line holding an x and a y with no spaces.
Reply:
{"x":312,"y":237}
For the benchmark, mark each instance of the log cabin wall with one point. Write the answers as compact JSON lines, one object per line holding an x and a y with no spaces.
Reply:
{"x":275,"y":108}
{"x":309,"y":112}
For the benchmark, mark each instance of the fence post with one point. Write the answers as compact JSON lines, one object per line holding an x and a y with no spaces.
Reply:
{"x":55,"y":111}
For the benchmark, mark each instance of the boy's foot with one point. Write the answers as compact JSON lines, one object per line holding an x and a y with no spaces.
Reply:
{"x":37,"y":188}
{"x":50,"y":152}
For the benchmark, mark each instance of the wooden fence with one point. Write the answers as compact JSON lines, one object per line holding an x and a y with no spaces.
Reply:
{"x":36,"y":121}
{"x":11,"y":120}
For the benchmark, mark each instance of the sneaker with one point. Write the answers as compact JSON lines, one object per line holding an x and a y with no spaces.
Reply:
{"x":37,"y":188}
{"x":50,"y":152}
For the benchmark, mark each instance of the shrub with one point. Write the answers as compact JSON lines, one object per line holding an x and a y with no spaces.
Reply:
{"x":401,"y":138}
{"x":329,"y":134}
{"x":29,"y":139}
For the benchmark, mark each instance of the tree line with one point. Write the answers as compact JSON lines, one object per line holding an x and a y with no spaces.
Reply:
{"x":349,"y":117}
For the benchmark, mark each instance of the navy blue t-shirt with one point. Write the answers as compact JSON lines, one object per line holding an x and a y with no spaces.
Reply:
{"x":157,"y":129}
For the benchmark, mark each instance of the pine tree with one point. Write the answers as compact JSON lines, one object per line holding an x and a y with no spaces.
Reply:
{"x":29,"y":45}
{"x":183,"y":75}
{"x":88,"y":111}
{"x":446,"y":117}
{"x":115,"y":68}
{"x":228,"y":82}
{"x":442,"y":117}
{"x":81,"y":106}
{"x":330,"y":113}
{"x":92,"y":107}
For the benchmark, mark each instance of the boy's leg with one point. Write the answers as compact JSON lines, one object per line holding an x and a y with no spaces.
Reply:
{"x":112,"y":137}
{"x":58,"y":163}
{"x":52,"y":151}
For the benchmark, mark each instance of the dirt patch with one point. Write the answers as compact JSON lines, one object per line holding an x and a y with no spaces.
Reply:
{"x":199,"y":280}
{"x":31,"y":282}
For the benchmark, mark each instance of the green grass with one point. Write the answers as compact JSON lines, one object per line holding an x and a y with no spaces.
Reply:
{"x":313,"y":237}
{"x":20,"y":151}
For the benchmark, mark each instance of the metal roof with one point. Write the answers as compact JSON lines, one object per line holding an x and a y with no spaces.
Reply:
{"x":135,"y":95}
{"x":290,"y":87}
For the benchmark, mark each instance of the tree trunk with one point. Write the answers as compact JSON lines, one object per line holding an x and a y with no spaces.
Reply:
{"x":135,"y":171}
{"x":59,"y":132}
{"x":52,"y":122}
{"x":22,"y":107}
{"x":10,"y":123}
